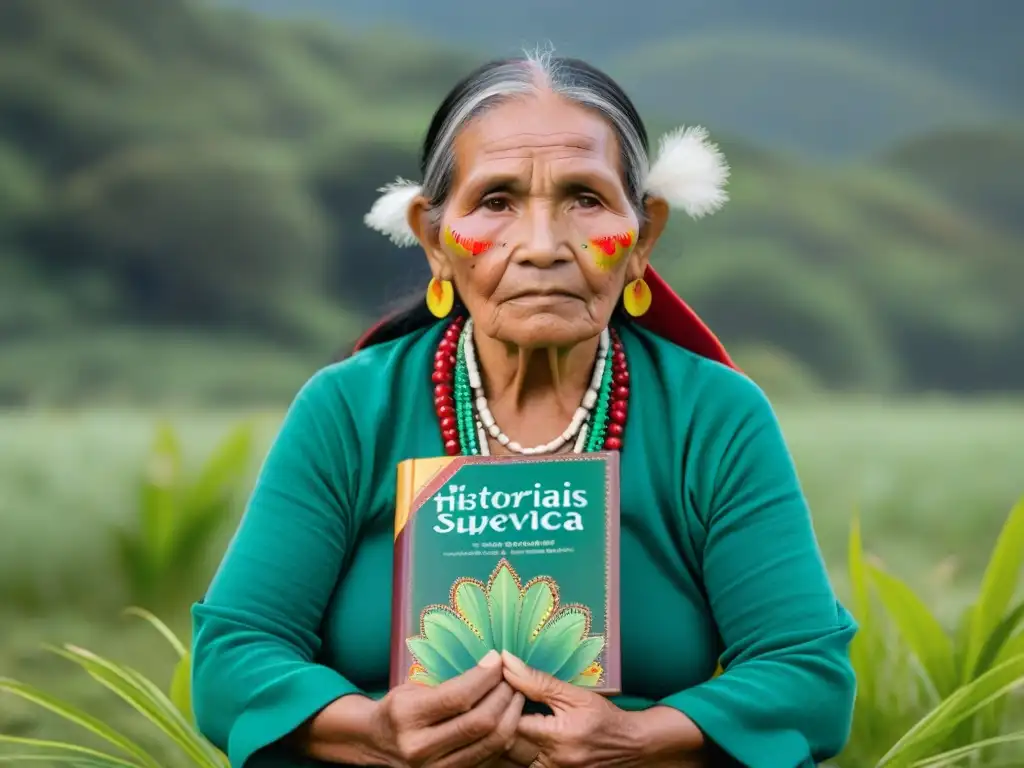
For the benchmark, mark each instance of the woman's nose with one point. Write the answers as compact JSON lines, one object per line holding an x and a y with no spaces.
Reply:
{"x":541,"y":243}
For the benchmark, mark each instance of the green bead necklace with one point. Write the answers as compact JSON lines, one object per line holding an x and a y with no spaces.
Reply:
{"x":608,"y":415}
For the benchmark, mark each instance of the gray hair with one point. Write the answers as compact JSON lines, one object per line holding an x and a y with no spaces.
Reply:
{"x":497,"y":82}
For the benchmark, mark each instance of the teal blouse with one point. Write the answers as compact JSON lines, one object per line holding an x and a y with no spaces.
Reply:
{"x":719,"y":562}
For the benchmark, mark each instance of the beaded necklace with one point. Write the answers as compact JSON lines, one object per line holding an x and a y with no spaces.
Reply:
{"x":465,"y":418}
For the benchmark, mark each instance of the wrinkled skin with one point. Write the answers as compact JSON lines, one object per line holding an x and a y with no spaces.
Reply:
{"x":538,"y":178}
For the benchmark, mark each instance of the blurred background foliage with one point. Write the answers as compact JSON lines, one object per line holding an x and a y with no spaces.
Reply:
{"x":182,"y":186}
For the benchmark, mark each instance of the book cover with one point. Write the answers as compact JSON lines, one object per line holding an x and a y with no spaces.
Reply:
{"x":511,"y":553}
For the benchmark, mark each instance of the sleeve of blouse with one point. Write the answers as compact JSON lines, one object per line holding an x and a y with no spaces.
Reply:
{"x":785,"y":699}
{"x":255,"y":633}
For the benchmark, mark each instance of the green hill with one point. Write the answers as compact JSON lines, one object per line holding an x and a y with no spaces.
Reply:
{"x":764,"y":71}
{"x":874,"y":276}
{"x":801,"y":94}
{"x":979,"y":169}
{"x":940,"y":35}
{"x":181,"y":202}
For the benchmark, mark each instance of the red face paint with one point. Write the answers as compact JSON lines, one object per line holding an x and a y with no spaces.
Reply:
{"x":610,"y":248}
{"x":465,"y":246}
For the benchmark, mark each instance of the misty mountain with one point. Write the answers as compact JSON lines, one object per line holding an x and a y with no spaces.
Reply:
{"x":820,"y":78}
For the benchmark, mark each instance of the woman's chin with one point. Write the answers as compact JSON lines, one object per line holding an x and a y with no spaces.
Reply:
{"x":564,"y":325}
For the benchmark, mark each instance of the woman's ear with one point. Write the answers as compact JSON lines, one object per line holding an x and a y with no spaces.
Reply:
{"x":656,"y":217}
{"x":421,"y":222}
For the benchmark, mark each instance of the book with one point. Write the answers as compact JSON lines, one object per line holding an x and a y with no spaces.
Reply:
{"x":507,"y":553}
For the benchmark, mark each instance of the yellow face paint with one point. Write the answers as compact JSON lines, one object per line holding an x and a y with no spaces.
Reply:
{"x":610,"y":249}
{"x":465,"y":246}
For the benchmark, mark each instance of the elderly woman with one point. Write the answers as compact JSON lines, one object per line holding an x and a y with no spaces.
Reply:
{"x":538,"y":214}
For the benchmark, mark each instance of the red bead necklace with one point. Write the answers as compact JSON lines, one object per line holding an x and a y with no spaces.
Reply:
{"x":618,"y":400}
{"x":443,"y":378}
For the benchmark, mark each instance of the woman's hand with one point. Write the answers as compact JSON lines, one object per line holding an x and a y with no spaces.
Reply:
{"x":467,"y":721}
{"x":585,"y":729}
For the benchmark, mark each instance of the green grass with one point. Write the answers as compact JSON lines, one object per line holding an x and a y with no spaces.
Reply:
{"x":933,"y":481}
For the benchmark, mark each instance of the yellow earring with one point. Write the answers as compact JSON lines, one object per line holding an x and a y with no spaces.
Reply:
{"x":440,"y":297}
{"x":636,"y":298}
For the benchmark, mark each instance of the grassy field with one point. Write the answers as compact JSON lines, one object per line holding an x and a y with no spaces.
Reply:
{"x":933,"y":482}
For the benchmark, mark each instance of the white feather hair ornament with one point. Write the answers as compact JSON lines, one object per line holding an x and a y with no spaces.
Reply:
{"x":689,"y":172}
{"x":390,"y":213}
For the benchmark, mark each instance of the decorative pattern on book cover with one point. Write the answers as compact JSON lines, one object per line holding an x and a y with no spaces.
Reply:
{"x":511,"y":553}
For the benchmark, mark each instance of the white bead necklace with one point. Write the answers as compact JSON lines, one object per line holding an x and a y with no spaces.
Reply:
{"x":578,"y":427}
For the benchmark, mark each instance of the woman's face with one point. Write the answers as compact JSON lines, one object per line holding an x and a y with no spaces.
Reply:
{"x":538,"y":234}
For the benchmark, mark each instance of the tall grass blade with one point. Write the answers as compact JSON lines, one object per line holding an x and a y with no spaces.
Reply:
{"x":180,"y":721}
{"x":966,"y":701}
{"x":81,"y":762}
{"x":861,"y":605}
{"x":919,"y":628}
{"x":147,"y":700}
{"x":1000,"y":636}
{"x":160,"y":627}
{"x":1014,"y":647}
{"x":80,"y":718}
{"x":181,"y":689}
{"x":159,"y":500}
{"x":997,"y":587}
{"x":76,"y":751}
{"x":955,"y":755}
{"x":222,"y":472}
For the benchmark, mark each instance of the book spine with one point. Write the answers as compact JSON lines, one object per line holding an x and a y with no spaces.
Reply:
{"x":400,"y":572}
{"x":613,"y":672}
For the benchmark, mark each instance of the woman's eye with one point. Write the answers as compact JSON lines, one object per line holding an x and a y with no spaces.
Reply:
{"x":495,"y":204}
{"x":588,"y":201}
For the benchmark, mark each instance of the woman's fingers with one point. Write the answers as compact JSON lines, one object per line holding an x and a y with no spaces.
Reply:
{"x":506,"y":730}
{"x":467,"y":729}
{"x":465,"y":721}
{"x":497,"y":740}
{"x":458,"y":695}
{"x":426,"y":743}
{"x":523,"y":752}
